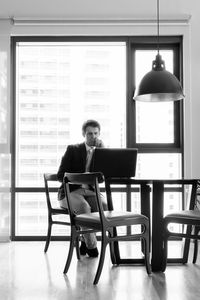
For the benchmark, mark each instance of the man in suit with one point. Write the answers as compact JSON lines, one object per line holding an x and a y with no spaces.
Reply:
{"x":77,"y":159}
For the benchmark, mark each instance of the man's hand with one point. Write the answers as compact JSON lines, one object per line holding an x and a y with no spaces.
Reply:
{"x":99,"y":143}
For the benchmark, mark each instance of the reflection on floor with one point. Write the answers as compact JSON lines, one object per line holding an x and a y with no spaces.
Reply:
{"x":28,"y":273}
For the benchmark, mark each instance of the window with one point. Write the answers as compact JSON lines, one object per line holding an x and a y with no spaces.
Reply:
{"x":59,"y":85}
{"x":61,"y":82}
{"x":156,"y":129}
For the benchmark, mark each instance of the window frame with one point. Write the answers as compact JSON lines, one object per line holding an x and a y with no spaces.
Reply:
{"x":150,"y":43}
{"x":132,"y":43}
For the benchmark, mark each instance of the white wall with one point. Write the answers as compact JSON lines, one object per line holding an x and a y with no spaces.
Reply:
{"x":4,"y":131}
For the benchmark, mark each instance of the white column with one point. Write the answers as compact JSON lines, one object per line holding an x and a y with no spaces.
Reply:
{"x":5,"y":158}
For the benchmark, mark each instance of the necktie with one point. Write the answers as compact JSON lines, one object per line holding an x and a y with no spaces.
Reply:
{"x":88,"y":159}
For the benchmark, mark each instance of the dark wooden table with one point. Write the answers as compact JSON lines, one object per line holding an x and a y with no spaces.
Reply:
{"x":157,"y":187}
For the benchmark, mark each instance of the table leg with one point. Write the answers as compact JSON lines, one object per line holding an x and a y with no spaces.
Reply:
{"x":157,"y":225}
{"x":145,"y":206}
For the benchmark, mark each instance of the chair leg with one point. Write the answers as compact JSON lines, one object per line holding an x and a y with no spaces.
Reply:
{"x":165,"y":249}
{"x":195,"y":245}
{"x":187,"y":245}
{"x":195,"y":251}
{"x":48,"y":237}
{"x":112,"y":249}
{"x":146,"y":249}
{"x":102,"y":257}
{"x":77,"y":248}
{"x":71,"y":249}
{"x":116,"y":247}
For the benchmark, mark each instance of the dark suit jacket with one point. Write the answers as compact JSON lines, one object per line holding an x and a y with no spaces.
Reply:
{"x":73,"y":161}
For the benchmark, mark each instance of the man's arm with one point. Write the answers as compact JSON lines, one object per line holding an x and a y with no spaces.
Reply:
{"x":65,"y":164}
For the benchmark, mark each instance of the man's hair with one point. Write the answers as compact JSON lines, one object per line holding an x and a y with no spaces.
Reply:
{"x":92,"y":123}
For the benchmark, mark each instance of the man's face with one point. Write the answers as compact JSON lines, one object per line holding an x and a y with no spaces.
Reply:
{"x":91,"y":135}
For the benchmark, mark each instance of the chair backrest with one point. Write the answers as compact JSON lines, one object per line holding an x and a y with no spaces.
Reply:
{"x":48,"y":177}
{"x":188,"y":188}
{"x":93,"y":179}
{"x":192,"y":193}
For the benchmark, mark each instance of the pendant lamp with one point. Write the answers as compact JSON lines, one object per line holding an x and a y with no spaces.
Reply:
{"x":159,"y":85}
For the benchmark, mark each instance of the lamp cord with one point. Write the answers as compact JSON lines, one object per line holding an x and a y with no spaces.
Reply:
{"x":158,"y":34}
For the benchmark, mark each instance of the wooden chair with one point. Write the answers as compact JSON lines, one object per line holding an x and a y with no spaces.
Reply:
{"x":196,"y":248}
{"x":197,"y":229}
{"x":104,"y":222}
{"x":190,"y":218}
{"x":52,"y":211}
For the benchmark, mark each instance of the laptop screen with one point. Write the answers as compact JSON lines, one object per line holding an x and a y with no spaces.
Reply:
{"x":115,"y":162}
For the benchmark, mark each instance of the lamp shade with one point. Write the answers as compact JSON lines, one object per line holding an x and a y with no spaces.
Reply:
{"x":159,"y":85}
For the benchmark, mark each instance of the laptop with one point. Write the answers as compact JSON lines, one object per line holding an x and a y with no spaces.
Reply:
{"x":115,"y":162}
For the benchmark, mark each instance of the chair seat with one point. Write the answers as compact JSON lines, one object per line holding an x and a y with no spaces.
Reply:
{"x":112,"y":216}
{"x":185,"y":214}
